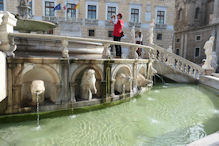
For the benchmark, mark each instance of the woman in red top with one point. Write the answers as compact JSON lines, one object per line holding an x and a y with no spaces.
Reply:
{"x":118,"y":25}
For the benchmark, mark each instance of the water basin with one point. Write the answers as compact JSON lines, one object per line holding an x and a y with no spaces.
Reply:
{"x":175,"y":115}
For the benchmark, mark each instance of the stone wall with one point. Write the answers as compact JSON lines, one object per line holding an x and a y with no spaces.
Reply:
{"x":62,"y":79}
{"x":3,"y":76}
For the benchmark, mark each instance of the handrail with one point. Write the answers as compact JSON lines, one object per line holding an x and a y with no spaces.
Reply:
{"x":177,"y":57}
{"x":58,"y":37}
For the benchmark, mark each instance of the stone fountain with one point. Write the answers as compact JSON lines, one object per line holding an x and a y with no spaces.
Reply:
{"x":26,"y":24}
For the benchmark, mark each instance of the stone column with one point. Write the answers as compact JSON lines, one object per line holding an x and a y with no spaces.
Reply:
{"x":216,"y":9}
{"x":65,"y":84}
{"x":6,"y":27}
{"x":135,"y":65}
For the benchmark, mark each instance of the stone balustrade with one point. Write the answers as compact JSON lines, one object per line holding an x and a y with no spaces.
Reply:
{"x":177,"y":62}
{"x":105,"y":43}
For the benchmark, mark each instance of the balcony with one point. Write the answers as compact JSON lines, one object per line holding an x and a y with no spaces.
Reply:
{"x":160,"y":26}
{"x":50,"y":19}
{"x":136,"y":24}
{"x":91,"y":22}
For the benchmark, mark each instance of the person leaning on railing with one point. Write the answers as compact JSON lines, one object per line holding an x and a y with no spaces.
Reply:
{"x":117,"y":32}
{"x":139,"y":40}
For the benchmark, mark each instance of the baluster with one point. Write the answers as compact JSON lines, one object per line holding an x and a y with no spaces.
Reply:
{"x":159,"y":56}
{"x":177,"y":65}
{"x":195,"y":71}
{"x":182,"y":67}
{"x":65,"y":49}
{"x":106,"y":52}
{"x":187,"y":68}
{"x":191,"y":71}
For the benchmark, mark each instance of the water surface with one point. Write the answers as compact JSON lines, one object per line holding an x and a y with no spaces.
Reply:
{"x":170,"y":114}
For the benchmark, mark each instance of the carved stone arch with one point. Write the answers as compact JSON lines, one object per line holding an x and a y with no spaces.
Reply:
{"x":55,"y":75}
{"x":118,"y":67}
{"x":46,"y":73}
{"x":76,"y":80}
{"x":122,"y":68}
{"x":142,"y":69}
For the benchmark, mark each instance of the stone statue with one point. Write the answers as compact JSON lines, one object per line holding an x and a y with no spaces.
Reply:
{"x":122,"y":81}
{"x":170,"y":50}
{"x":24,"y":2}
{"x":208,"y":52}
{"x":37,"y":87}
{"x":88,"y":84}
{"x":24,"y":9}
{"x":151,"y":70}
{"x":151,"y":32}
{"x":142,"y":81}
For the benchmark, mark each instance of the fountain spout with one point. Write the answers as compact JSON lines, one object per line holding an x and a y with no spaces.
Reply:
{"x":37,"y":89}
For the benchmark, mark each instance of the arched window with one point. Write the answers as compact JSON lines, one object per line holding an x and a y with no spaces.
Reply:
{"x":197,"y":12}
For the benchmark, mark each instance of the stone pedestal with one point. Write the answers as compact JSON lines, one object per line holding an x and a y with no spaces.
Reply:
{"x":7,"y":23}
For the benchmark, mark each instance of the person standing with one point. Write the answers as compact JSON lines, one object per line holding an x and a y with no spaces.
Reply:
{"x":117,"y":32}
{"x":139,"y":40}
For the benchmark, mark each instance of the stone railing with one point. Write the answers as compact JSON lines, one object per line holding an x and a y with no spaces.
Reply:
{"x":176,"y":62}
{"x":65,"y":41}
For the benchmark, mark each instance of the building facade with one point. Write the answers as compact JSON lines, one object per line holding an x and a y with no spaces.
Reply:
{"x":195,"y":22}
{"x":90,"y":18}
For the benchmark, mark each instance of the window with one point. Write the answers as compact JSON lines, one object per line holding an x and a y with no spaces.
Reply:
{"x":110,"y":34}
{"x":110,"y":12}
{"x":1,"y":5}
{"x":197,"y":51}
{"x":159,"y":36}
{"x":71,"y":10}
{"x":91,"y":12}
{"x":179,"y":15}
{"x":160,"y":17}
{"x":177,"y":40}
{"x":134,"y":15}
{"x":49,"y":8}
{"x":177,"y":51}
{"x":198,"y":38}
{"x":91,"y":32}
{"x":197,"y":12}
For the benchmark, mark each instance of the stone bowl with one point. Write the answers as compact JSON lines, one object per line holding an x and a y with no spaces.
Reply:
{"x":29,"y":25}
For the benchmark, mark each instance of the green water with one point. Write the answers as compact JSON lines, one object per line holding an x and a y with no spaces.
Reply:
{"x":170,"y":114}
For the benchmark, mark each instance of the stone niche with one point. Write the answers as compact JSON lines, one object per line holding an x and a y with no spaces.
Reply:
{"x":39,"y":72}
{"x":77,"y":78}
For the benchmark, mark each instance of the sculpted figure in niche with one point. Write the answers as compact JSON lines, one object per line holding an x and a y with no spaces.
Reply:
{"x":122,"y":81}
{"x":88,"y":86}
{"x":208,"y":52}
{"x":151,"y":70}
{"x":37,"y":87}
{"x":142,"y":81}
{"x":24,"y":2}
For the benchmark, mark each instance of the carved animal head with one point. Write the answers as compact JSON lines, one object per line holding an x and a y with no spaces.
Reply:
{"x":37,"y":86}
